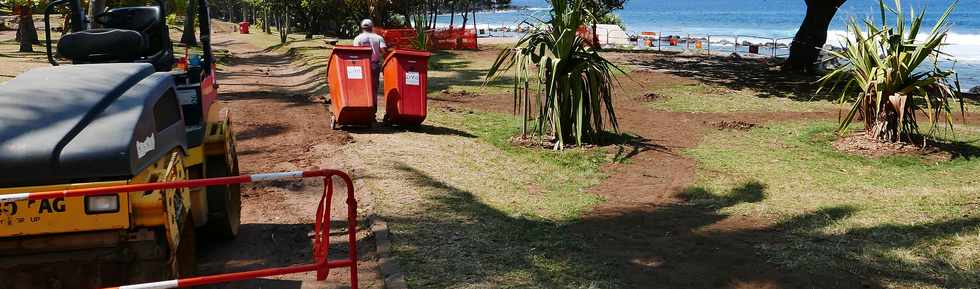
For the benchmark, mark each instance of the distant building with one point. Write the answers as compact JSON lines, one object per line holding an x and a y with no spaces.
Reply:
{"x":612,"y":35}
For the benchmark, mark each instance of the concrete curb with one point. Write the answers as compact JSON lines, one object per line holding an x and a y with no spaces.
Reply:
{"x":393,"y":276}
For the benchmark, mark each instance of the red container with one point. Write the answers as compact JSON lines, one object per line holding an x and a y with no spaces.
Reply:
{"x":406,"y":85}
{"x":351,"y":88}
{"x":243,"y":27}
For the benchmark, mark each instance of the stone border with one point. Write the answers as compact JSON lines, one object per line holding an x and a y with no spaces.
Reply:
{"x":393,"y":276}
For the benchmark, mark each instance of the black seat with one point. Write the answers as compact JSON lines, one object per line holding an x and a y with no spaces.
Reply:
{"x":131,"y":34}
{"x":103,"y":45}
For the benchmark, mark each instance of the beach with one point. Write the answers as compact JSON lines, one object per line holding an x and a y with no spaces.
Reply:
{"x":758,"y":22}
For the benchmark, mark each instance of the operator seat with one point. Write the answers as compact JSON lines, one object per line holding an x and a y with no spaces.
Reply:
{"x":131,"y":34}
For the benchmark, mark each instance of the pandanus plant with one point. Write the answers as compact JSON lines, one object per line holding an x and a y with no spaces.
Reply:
{"x":421,"y":40}
{"x":573,"y":82}
{"x":891,"y":72}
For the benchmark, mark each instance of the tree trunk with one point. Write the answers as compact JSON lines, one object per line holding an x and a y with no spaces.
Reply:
{"x":95,"y":7}
{"x":26,"y":31}
{"x":435,"y":15}
{"x":595,"y":35}
{"x":266,"y":22}
{"x":310,"y":24}
{"x":804,"y":53}
{"x":283,"y":25}
{"x":286,"y":25}
{"x":452,"y":14}
{"x":66,"y":25}
{"x":466,"y":13}
{"x":188,"y":36}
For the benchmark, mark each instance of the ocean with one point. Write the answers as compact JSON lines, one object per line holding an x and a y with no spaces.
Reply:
{"x":767,"y":19}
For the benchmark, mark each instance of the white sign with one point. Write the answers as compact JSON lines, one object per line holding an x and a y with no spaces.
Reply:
{"x":412,"y":78}
{"x":187,"y":96}
{"x":355,"y":72}
{"x":146,"y":146}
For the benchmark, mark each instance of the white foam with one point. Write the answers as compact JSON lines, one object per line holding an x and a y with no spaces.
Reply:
{"x":963,"y":47}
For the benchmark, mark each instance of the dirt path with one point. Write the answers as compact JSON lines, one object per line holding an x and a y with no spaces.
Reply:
{"x":280,"y":127}
{"x":647,"y":228}
{"x":663,"y":242}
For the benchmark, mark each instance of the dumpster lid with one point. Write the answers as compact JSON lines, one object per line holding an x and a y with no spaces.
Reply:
{"x":348,"y":48}
{"x":407,"y":52}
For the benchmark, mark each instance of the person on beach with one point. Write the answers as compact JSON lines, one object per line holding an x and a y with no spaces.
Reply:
{"x":378,"y":50}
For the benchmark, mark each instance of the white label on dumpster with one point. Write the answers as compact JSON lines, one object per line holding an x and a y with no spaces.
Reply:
{"x":412,"y":78}
{"x":355,"y":72}
{"x":187,"y":96}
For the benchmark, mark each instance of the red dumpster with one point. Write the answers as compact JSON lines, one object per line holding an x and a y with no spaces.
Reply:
{"x":351,"y":87}
{"x":243,"y":27}
{"x":406,"y":83}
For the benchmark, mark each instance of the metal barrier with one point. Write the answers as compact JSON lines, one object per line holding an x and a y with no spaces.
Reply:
{"x":778,"y":42}
{"x":766,"y":46}
{"x":321,"y":228}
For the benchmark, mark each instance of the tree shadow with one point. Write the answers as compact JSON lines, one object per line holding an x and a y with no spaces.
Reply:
{"x":261,"y":131}
{"x":463,"y":72}
{"x":454,"y":240}
{"x":268,"y":245}
{"x":423,"y":129}
{"x":626,"y":145}
{"x":739,"y":74}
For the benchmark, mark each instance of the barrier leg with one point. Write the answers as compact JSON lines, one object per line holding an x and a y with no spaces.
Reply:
{"x":352,"y":233}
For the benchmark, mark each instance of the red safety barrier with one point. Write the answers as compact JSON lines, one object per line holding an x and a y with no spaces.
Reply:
{"x":398,"y":38}
{"x":454,"y":38}
{"x":443,"y":38}
{"x":586,"y":34}
{"x":321,"y":228}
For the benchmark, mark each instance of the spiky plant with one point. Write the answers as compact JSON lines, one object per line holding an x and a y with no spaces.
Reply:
{"x":573,"y":82}
{"x":421,"y":40}
{"x":892,"y":72}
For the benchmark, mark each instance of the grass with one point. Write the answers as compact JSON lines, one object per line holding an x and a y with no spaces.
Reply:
{"x":466,"y":71}
{"x":469,"y":210}
{"x":704,"y":97}
{"x":701,"y":97}
{"x":904,"y":220}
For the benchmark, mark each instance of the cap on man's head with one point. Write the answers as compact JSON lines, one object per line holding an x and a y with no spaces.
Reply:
{"x":367,"y":23}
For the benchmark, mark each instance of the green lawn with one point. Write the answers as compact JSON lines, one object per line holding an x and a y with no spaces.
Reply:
{"x":469,"y":210}
{"x":466,"y":71}
{"x":701,"y":97}
{"x":909,"y":221}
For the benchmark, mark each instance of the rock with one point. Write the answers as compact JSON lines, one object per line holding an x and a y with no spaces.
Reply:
{"x":975,"y":90}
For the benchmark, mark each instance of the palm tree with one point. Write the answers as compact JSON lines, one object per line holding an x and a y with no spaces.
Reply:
{"x":892,"y":72}
{"x":573,"y":82}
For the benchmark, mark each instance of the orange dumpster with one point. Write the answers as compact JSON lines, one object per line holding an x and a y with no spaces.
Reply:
{"x":351,"y":87}
{"x":406,"y":85}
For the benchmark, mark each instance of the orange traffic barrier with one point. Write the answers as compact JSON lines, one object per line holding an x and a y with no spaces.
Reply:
{"x":443,"y":38}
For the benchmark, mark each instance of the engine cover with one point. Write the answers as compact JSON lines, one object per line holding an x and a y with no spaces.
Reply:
{"x":89,"y":122}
